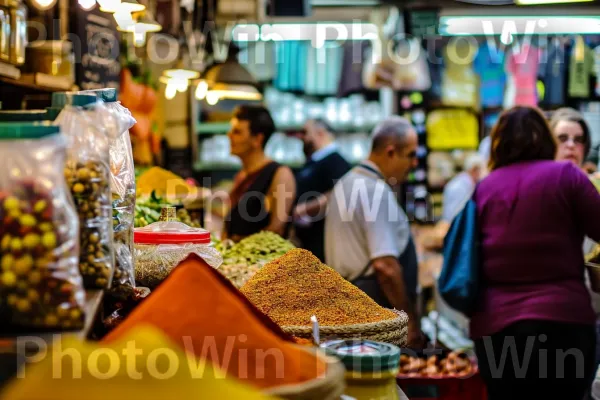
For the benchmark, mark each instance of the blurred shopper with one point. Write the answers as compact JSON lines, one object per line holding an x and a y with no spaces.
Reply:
{"x":460,"y":188}
{"x":573,"y":135}
{"x":263,"y":191}
{"x":367,"y":234}
{"x":324,"y":166}
{"x":574,"y":144}
{"x":534,"y":326}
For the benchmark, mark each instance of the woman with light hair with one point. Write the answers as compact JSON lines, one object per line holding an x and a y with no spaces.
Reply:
{"x":572,"y":134}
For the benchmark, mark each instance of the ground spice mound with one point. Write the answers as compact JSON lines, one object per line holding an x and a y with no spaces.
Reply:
{"x":200,"y":309}
{"x":298,"y":285}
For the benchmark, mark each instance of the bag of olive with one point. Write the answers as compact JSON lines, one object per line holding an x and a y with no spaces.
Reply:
{"x":122,"y":184}
{"x":40,"y":284}
{"x":161,"y":246}
{"x":87,"y":172}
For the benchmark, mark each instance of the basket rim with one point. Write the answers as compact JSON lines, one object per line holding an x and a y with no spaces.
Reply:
{"x":400,"y":317}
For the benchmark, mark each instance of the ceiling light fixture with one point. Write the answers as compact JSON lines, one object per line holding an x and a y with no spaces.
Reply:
{"x":131,"y":6}
{"x":509,"y":25}
{"x":87,"y":5}
{"x":43,"y":5}
{"x":108,"y":4}
{"x":229,"y":80}
{"x":541,"y":2}
{"x":177,"y":80}
{"x":144,"y":24}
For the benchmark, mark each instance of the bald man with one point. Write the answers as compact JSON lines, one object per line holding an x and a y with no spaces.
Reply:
{"x":367,"y":234}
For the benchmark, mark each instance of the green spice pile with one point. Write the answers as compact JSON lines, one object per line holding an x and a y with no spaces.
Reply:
{"x":260,"y":247}
{"x":298,"y":285}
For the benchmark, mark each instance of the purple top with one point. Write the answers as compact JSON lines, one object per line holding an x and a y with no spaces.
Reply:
{"x":533,"y":217}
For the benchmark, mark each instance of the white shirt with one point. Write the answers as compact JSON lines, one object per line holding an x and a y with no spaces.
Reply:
{"x":364,"y":222}
{"x":324,"y":152}
{"x":456,"y":194}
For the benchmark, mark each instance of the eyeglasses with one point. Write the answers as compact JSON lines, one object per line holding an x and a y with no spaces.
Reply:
{"x":577,"y":140}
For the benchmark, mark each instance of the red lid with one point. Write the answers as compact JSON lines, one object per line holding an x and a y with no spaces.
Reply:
{"x":170,"y":233}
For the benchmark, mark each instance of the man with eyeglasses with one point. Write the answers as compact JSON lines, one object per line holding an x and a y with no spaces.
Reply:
{"x":367,"y":234}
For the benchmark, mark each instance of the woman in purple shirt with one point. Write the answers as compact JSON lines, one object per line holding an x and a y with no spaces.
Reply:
{"x":534,"y":326}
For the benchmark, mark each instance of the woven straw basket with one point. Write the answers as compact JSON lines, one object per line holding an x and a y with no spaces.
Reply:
{"x":393,"y":331}
{"x":329,"y":386}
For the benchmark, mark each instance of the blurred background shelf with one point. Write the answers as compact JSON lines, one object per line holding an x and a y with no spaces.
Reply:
{"x":221,"y":128}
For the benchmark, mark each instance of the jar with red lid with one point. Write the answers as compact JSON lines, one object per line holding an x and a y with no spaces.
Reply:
{"x":161,"y":246}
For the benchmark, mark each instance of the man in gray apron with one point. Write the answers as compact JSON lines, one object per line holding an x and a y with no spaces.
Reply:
{"x":367,"y":234}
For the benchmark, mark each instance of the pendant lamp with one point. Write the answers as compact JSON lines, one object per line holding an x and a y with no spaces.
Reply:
{"x":131,"y":6}
{"x":229,"y":80}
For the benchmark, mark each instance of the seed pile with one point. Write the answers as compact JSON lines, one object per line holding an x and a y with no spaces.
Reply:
{"x":260,"y":247}
{"x":296,"y":286}
{"x":238,"y":274}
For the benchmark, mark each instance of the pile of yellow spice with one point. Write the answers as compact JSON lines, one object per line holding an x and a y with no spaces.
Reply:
{"x":297,"y":285}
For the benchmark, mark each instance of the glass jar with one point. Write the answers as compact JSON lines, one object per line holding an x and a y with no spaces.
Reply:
{"x":18,"y":39}
{"x":5,"y":31}
{"x":371,"y":368}
{"x":161,"y":246}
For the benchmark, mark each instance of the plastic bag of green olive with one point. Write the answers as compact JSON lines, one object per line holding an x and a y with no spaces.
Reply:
{"x":40,"y":284}
{"x":122,"y":183}
{"x":87,"y":173}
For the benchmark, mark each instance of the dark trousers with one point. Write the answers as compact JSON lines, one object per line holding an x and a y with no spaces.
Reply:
{"x":561,"y":361}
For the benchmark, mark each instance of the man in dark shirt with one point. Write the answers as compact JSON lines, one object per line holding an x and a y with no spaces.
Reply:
{"x":324,"y":166}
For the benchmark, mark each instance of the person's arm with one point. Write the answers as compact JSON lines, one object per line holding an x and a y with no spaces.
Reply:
{"x":281,"y":194}
{"x":385,"y":246}
{"x":389,"y":275}
{"x":312,"y":208}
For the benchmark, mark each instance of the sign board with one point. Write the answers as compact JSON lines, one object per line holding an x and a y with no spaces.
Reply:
{"x":96,"y":45}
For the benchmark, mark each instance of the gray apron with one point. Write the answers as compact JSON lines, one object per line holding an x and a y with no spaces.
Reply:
{"x":410,"y":267}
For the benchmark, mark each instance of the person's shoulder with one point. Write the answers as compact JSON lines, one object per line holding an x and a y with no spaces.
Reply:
{"x":552,"y":168}
{"x":283,"y":173}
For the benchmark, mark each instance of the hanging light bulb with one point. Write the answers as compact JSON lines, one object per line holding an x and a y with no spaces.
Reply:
{"x":183,"y":74}
{"x":212,"y":98}
{"x":139,"y":39}
{"x":201,"y":90}
{"x":181,"y":85}
{"x":139,"y":27}
{"x":170,"y":91}
{"x":108,"y":4}
{"x":131,"y":6}
{"x":124,"y":20}
{"x":87,"y":5}
{"x":43,"y":4}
